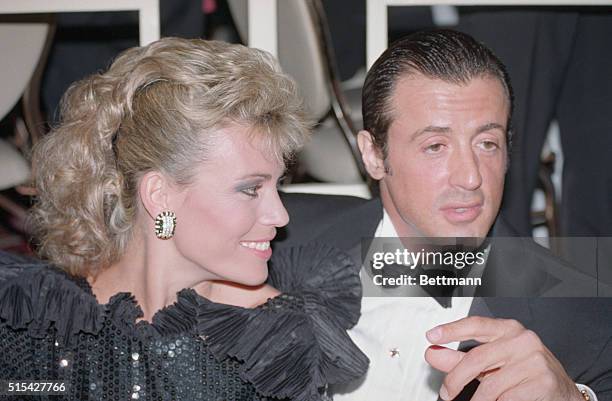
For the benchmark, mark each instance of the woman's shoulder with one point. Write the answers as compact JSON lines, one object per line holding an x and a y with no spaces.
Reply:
{"x":12,"y":265}
{"x":36,"y":296}
{"x":301,"y":332}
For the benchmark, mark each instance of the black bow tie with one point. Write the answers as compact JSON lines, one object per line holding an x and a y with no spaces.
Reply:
{"x":442,"y":293}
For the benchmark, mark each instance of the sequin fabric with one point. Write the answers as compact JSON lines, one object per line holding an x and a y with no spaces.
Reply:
{"x":117,"y":365}
{"x":291,"y":347}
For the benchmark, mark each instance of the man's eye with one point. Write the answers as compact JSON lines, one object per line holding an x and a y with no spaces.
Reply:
{"x":251,"y":191}
{"x":488,"y":145}
{"x":434,"y":148}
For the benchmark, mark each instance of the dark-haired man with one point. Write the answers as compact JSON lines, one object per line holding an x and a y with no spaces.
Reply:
{"x":436,"y":108}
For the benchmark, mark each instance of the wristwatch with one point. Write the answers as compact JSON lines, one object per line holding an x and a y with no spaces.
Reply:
{"x":586,"y":392}
{"x":585,"y":395}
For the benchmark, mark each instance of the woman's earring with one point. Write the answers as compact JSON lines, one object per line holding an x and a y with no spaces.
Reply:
{"x":165,"y":223}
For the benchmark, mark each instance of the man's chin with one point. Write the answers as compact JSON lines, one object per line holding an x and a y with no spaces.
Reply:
{"x":461,"y":231}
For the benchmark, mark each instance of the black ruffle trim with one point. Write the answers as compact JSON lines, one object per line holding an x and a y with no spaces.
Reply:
{"x":290,"y":347}
{"x":324,"y":270}
{"x":296,"y":343}
{"x":41,"y":297}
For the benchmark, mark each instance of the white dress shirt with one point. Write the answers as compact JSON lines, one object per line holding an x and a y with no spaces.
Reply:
{"x":391,"y":332}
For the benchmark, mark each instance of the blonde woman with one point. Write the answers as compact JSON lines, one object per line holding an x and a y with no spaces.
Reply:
{"x":157,"y":202}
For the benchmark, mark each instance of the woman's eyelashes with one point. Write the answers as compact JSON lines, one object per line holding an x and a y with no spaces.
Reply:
{"x":251,"y":190}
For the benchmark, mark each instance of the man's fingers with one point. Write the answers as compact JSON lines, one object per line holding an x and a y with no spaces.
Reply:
{"x":442,"y":358}
{"x":475,"y":364}
{"x":505,"y":380}
{"x":508,"y":362}
{"x":528,"y":390}
{"x":481,"y":329}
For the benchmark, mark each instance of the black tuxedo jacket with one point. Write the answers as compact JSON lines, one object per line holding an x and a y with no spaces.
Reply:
{"x":530,"y":284}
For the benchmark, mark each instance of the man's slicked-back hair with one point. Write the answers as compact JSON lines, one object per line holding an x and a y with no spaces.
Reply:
{"x":443,"y":54}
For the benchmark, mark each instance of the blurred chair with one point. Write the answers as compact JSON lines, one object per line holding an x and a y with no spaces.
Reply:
{"x":305,"y":52}
{"x":547,"y":215}
{"x":24,"y":45}
{"x":357,"y":190}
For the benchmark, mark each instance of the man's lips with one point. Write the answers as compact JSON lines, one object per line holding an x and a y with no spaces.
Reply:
{"x":457,"y":213}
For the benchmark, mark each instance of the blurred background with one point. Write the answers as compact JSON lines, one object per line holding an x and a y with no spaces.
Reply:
{"x":559,"y":58}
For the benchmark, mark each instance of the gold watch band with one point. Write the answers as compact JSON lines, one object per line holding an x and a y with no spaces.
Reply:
{"x":585,"y":395}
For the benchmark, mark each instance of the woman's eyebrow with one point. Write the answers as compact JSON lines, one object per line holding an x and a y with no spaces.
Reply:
{"x":256,"y":175}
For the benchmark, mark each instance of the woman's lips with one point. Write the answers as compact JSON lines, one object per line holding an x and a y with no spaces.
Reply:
{"x":458,"y":214}
{"x":259,"y":248}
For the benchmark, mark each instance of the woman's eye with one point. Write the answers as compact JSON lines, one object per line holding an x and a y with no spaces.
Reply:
{"x":434,"y":148}
{"x":251,"y":191}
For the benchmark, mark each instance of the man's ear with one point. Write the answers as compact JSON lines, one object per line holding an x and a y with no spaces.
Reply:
{"x":153,"y":191}
{"x":371,"y":155}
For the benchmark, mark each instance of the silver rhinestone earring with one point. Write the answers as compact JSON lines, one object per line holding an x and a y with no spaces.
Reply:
{"x":165,"y":223}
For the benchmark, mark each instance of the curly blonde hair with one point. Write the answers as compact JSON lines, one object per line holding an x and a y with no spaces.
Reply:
{"x":155,"y":109}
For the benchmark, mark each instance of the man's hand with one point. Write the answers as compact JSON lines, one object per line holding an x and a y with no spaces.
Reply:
{"x":511,"y":362}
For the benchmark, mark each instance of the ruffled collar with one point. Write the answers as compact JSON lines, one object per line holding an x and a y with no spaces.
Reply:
{"x":291,"y":346}
{"x":176,"y":318}
{"x":42,"y":296}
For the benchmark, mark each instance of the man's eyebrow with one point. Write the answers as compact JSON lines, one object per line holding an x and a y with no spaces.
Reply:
{"x":491,"y":126}
{"x":429,"y":129}
{"x":443,"y":130}
{"x":256,"y":175}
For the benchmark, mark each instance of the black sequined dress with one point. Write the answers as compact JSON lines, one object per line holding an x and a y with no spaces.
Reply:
{"x":52,"y":328}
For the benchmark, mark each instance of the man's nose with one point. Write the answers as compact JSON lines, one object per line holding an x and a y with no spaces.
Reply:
{"x":275,"y":213}
{"x":465,"y":170}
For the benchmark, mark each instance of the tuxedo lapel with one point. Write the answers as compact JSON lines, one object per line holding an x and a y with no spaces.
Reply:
{"x":358,"y":223}
{"x":512,"y":271}
{"x":502,"y":308}
{"x":480,"y":308}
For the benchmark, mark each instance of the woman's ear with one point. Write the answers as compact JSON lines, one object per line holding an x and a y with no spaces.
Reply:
{"x":371,"y":155}
{"x":153,"y":191}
